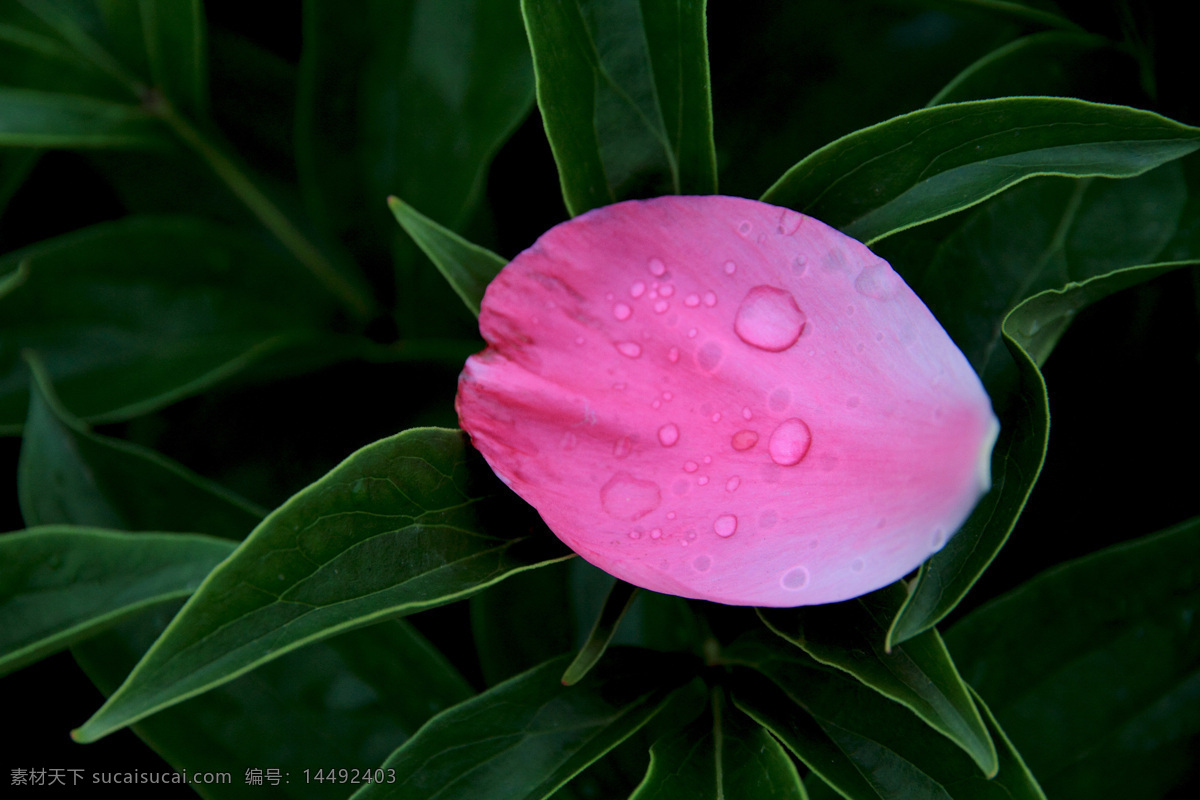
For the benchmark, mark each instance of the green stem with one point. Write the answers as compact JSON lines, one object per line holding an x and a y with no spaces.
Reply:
{"x":356,"y":301}
{"x":620,"y":597}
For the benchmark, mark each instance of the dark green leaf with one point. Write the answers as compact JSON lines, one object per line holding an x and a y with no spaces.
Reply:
{"x":720,"y":755}
{"x":865,"y":745}
{"x":933,"y":162}
{"x":409,"y":522}
{"x":512,"y":629}
{"x":164,"y":41}
{"x":624,"y":93}
{"x":131,"y":315}
{"x":31,"y":118}
{"x":530,"y":735}
{"x":467,"y":267}
{"x":987,"y":285}
{"x":67,"y":475}
{"x":15,"y":166}
{"x":60,"y":583}
{"x":1051,"y":63}
{"x":620,"y":597}
{"x":423,"y":93}
{"x":1094,"y":667}
{"x":1042,"y":12}
{"x":349,"y":700}
{"x":918,"y":674}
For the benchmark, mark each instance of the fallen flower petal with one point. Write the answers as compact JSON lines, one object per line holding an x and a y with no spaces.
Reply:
{"x":722,"y":399}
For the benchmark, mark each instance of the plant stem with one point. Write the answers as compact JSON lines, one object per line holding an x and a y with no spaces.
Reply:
{"x":359,"y":303}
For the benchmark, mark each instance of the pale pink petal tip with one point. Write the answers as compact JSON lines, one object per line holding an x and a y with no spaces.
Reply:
{"x":718,"y":398}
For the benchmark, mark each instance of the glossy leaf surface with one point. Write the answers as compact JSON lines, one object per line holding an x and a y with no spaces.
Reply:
{"x":1094,"y":667}
{"x":528,"y":736}
{"x":930,"y":163}
{"x":60,"y":583}
{"x":623,"y":89}
{"x":399,"y":526}
{"x":918,"y":673}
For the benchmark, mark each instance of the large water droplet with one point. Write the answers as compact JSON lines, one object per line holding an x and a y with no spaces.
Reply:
{"x":744,"y":440}
{"x":725,"y":525}
{"x":637,"y":290}
{"x":789,"y":443}
{"x":795,"y":578}
{"x":627,"y":497}
{"x":769,"y":319}
{"x":622,"y":447}
{"x":622,"y":312}
{"x":709,"y":356}
{"x":878,"y":281}
{"x":657,"y":267}
{"x":668,"y":434}
{"x":629,"y":349}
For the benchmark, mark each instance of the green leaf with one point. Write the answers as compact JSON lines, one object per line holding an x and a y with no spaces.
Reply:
{"x":407,"y":523}
{"x":1042,"y":12}
{"x":345,"y":701}
{"x":1094,"y":667}
{"x":930,"y":163}
{"x":68,"y":475}
{"x":424,"y":93}
{"x":15,"y":166}
{"x":467,"y":267}
{"x":720,"y":755}
{"x":121,"y":334}
{"x":1049,"y":63}
{"x":61,"y":583}
{"x":623,"y":88}
{"x":165,"y":41}
{"x":32,"y":118}
{"x":858,"y":741}
{"x":620,"y":597}
{"x":511,"y":628}
{"x":1079,"y":241}
{"x":919,"y":674}
{"x":528,"y":736}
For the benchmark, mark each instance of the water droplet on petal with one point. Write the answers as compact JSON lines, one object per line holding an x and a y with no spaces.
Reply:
{"x":730,"y":267}
{"x":769,"y":319}
{"x":656,"y":403}
{"x":692,"y":300}
{"x":670,"y":515}
{"x":877,"y":281}
{"x":692,"y":333}
{"x":635,"y":534}
{"x":709,"y":356}
{"x":744,"y":440}
{"x":716,"y":417}
{"x":622,"y":447}
{"x":789,"y":222}
{"x":857,"y":565}
{"x":630,"y":349}
{"x":939,"y":539}
{"x":795,"y":578}
{"x":799,"y":266}
{"x":657,"y":267}
{"x":622,"y":312}
{"x":668,"y":396}
{"x":747,"y":413}
{"x":637,"y":290}
{"x":668,"y":434}
{"x":690,"y":466}
{"x":708,"y":459}
{"x":578,"y":340}
{"x":666,"y":290}
{"x":673,"y":355}
{"x":702,"y":563}
{"x":656,"y":533}
{"x":789,"y":443}
{"x":710,"y":299}
{"x":745,"y":228}
{"x":702,"y":480}
{"x":726,"y":525}
{"x":661,"y":306}
{"x":733,"y":483}
{"x":627,"y":497}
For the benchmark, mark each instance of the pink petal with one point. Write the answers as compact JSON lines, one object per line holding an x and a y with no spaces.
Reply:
{"x":718,"y":398}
